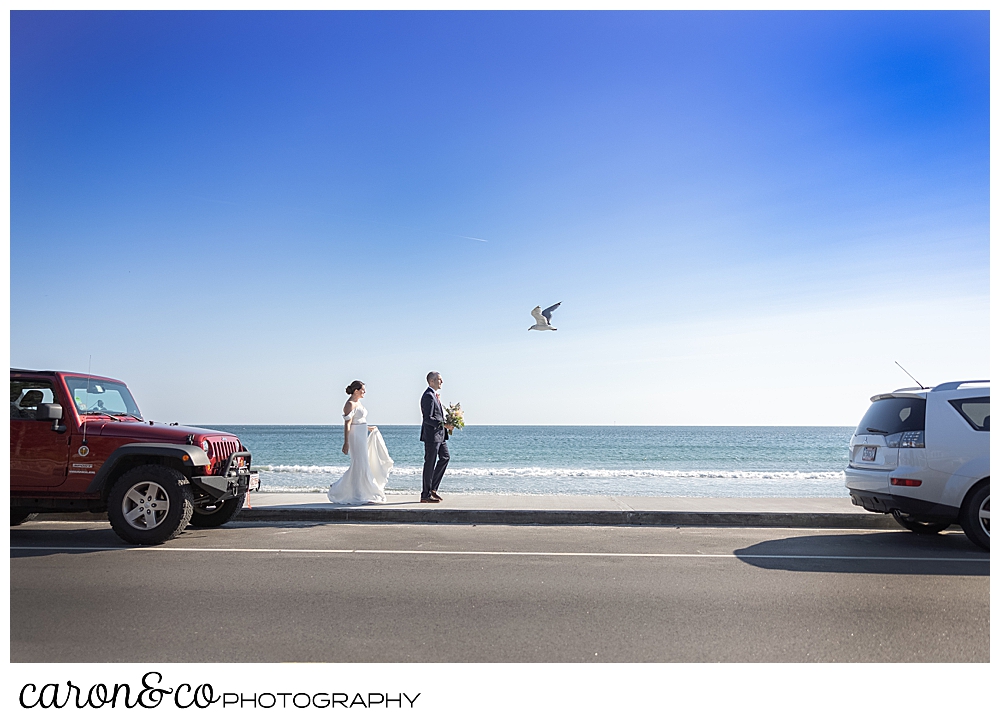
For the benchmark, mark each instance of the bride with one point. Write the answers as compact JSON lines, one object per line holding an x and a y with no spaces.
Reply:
{"x":364,"y":481}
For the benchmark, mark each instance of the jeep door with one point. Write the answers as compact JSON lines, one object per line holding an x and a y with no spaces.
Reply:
{"x":38,"y":454}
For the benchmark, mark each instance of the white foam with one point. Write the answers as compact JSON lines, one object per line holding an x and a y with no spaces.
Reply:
{"x":302,"y":468}
{"x":570,"y":473}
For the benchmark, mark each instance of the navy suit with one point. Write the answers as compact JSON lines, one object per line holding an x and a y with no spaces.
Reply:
{"x":435,"y":438}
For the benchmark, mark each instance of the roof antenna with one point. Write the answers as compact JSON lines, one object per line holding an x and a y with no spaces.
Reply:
{"x":910,"y":376}
{"x":86,"y":403}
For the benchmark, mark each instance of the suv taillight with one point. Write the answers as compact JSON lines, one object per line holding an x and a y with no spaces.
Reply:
{"x":905,"y":439}
{"x":901,"y":482}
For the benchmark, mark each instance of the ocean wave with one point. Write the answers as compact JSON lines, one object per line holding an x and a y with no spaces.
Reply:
{"x":572,"y":472}
{"x":303,"y":468}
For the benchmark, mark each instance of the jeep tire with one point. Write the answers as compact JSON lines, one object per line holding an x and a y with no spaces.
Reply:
{"x":975,"y":515}
{"x":151,"y":504}
{"x":214,"y":514}
{"x":19,"y":515}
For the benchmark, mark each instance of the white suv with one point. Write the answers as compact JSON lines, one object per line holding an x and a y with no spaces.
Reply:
{"x":924,"y":456}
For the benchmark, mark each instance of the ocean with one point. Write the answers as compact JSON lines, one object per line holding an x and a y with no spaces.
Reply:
{"x":627,"y":461}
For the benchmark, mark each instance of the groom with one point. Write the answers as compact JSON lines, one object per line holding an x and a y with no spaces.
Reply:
{"x":434,"y":435}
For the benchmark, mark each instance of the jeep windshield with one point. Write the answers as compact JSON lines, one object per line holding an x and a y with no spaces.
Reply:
{"x":100,"y":397}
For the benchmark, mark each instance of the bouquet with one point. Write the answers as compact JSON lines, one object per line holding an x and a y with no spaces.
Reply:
{"x":454,"y":416}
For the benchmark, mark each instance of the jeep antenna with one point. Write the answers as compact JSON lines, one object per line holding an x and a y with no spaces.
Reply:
{"x":910,"y":375}
{"x":86,"y":398}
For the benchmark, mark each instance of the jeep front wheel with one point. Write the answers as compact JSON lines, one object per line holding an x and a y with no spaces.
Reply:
{"x":213,"y":514}
{"x":150,"y":504}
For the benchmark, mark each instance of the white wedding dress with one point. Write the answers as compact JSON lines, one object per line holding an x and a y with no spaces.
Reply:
{"x":364,"y":481}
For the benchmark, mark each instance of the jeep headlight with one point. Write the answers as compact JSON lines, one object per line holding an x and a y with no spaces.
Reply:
{"x":206,"y":446}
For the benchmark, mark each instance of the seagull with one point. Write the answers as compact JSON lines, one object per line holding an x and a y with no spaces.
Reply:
{"x":543,"y":318}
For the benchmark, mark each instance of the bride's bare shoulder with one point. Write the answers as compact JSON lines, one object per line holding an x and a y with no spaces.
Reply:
{"x":349,"y":407}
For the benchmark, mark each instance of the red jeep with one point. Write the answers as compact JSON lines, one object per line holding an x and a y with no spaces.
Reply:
{"x":79,"y":442}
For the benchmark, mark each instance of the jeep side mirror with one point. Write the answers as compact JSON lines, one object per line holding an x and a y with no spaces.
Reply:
{"x":46,"y":412}
{"x":54,"y":412}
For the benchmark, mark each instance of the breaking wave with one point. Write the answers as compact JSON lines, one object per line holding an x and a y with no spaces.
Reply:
{"x":569,"y":472}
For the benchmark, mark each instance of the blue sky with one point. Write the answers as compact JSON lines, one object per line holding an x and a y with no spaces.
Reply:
{"x":748,"y":216}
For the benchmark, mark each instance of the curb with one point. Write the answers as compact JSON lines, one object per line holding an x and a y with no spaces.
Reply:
{"x":820,"y":520}
{"x":574,"y":517}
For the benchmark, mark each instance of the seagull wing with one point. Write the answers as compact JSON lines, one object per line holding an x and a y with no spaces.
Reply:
{"x":548,"y":313}
{"x":537,"y":313}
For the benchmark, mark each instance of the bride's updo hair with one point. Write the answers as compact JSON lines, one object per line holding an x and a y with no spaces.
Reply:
{"x":354,"y":386}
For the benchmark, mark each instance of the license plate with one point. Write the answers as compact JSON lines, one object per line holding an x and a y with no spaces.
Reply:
{"x":868,"y":454}
{"x":254,"y":481}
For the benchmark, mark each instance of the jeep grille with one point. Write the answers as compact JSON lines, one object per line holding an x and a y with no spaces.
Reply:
{"x":222,"y":450}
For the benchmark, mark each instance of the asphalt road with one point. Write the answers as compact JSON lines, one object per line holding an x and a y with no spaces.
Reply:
{"x":456,"y":593}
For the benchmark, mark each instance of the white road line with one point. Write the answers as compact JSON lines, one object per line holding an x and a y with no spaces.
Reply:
{"x":249,"y":524}
{"x":504,"y":553}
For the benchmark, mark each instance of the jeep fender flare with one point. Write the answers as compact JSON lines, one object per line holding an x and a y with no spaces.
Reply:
{"x":186,"y":456}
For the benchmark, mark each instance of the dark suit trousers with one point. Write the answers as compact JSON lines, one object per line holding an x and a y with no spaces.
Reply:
{"x":436,"y":460}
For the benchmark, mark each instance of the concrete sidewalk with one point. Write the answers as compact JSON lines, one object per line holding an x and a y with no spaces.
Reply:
{"x":823,"y":512}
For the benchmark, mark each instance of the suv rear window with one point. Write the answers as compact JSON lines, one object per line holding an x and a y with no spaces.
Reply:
{"x":896,"y":414}
{"x":976,"y":411}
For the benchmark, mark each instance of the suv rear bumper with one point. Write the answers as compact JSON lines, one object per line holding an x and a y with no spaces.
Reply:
{"x":867,"y":481}
{"x":879,"y":502}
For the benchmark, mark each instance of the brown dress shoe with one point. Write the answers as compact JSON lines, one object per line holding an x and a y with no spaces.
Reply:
{"x":436,"y":496}
{"x":428,"y":499}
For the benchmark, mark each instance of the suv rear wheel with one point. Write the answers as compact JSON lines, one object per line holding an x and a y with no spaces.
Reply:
{"x":915,"y":524}
{"x":150,"y":504}
{"x":975,"y":516}
{"x":213,"y":514}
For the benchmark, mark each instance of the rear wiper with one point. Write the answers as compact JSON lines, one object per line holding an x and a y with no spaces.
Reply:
{"x":876,"y":431}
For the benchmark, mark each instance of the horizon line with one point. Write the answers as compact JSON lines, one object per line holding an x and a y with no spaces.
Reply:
{"x":713,"y":426}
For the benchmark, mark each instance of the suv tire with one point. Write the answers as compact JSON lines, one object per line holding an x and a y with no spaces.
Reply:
{"x":216,"y":514}
{"x":975,"y":515}
{"x":19,"y":515}
{"x":151,"y":504}
{"x":915,"y":524}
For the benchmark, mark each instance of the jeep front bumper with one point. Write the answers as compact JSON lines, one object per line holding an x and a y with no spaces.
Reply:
{"x":236,"y":479}
{"x":224,"y":488}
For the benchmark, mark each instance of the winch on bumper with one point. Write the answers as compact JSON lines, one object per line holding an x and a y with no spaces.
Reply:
{"x":236,"y":479}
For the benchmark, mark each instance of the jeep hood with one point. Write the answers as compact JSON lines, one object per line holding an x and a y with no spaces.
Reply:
{"x":156,"y":432}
